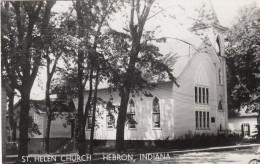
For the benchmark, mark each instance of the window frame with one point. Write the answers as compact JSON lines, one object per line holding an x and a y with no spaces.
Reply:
{"x":107,"y":121}
{"x":243,"y":125}
{"x":110,"y":113}
{"x":90,"y":115}
{"x":202,"y":119}
{"x":132,"y":114}
{"x":156,"y":113}
{"x":220,"y":77}
{"x":35,"y":118}
{"x":196,"y":94}
{"x":201,"y":95}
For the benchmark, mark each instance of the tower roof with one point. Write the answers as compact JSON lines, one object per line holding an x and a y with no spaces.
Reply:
{"x":215,"y":19}
{"x":207,"y":18}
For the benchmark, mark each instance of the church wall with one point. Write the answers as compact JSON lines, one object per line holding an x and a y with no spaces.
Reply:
{"x":144,"y":128}
{"x":184,"y":96}
{"x":222,"y":95}
{"x":58,"y":130}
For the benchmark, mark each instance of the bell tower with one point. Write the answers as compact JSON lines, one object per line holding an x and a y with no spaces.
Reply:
{"x":210,"y":27}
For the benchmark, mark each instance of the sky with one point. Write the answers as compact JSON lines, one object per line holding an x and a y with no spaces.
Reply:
{"x":226,"y":11}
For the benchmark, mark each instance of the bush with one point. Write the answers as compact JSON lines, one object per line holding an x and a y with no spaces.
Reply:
{"x":198,"y":140}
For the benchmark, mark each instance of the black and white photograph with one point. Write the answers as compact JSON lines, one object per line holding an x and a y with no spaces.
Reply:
{"x":130,"y":81}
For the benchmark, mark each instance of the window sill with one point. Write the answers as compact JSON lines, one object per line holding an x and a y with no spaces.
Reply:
{"x":201,"y":104}
{"x":132,"y":128}
{"x":156,"y":128}
{"x":203,"y":129}
{"x":110,"y":129}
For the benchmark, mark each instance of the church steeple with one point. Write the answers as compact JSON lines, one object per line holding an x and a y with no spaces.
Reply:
{"x":219,"y":32}
{"x":210,"y":27}
{"x":215,"y":19}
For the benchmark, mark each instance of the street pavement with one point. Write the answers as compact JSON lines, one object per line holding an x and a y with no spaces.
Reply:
{"x":241,"y":154}
{"x":231,"y":156}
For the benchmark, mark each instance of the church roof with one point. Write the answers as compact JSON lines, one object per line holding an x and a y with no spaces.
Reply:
{"x":183,"y":49}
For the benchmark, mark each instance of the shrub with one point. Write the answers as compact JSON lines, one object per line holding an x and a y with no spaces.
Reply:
{"x":198,"y":140}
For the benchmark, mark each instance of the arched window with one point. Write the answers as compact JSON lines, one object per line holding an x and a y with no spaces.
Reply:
{"x":156,"y":113}
{"x":89,"y":119}
{"x":218,"y":49}
{"x":219,"y":76}
{"x":131,"y":114}
{"x":110,"y":121}
{"x":220,"y":107}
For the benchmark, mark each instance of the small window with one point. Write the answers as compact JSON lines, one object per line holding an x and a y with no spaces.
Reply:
{"x":203,"y":95}
{"x":212,"y":119}
{"x":202,"y":119}
{"x":219,"y":76}
{"x":199,"y":94}
{"x":110,"y":118}
{"x":245,"y":128}
{"x":196,"y":94}
{"x":197,"y":119}
{"x":110,"y":121}
{"x":89,"y":124}
{"x":220,"y":105}
{"x":218,"y":46}
{"x":131,"y":114}
{"x":35,"y":118}
{"x":207,"y":96}
{"x":207,"y":119}
{"x":156,"y":113}
{"x":89,"y":119}
{"x":200,"y":116}
{"x":30,"y":123}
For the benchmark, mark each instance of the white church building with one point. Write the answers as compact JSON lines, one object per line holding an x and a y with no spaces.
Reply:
{"x":197,"y":105}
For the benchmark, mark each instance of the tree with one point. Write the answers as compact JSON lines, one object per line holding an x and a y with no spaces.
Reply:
{"x":11,"y":115}
{"x":243,"y":60}
{"x":53,"y":50}
{"x":91,"y":17}
{"x":12,"y":122}
{"x":136,"y":62}
{"x":136,"y":31}
{"x":23,"y":28}
{"x":85,"y":24}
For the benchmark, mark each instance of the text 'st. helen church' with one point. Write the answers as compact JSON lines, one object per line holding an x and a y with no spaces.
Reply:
{"x":198,"y":105}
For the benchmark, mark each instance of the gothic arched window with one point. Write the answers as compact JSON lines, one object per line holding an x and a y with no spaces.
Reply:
{"x":219,"y":76}
{"x":218,"y":49}
{"x":156,"y":113}
{"x":131,"y":114}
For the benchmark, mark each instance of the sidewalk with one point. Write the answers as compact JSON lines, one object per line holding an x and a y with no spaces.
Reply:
{"x":10,"y":159}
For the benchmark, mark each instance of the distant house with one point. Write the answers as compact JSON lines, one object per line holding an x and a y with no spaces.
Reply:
{"x":243,"y":122}
{"x":62,"y":126}
{"x":198,"y":105}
